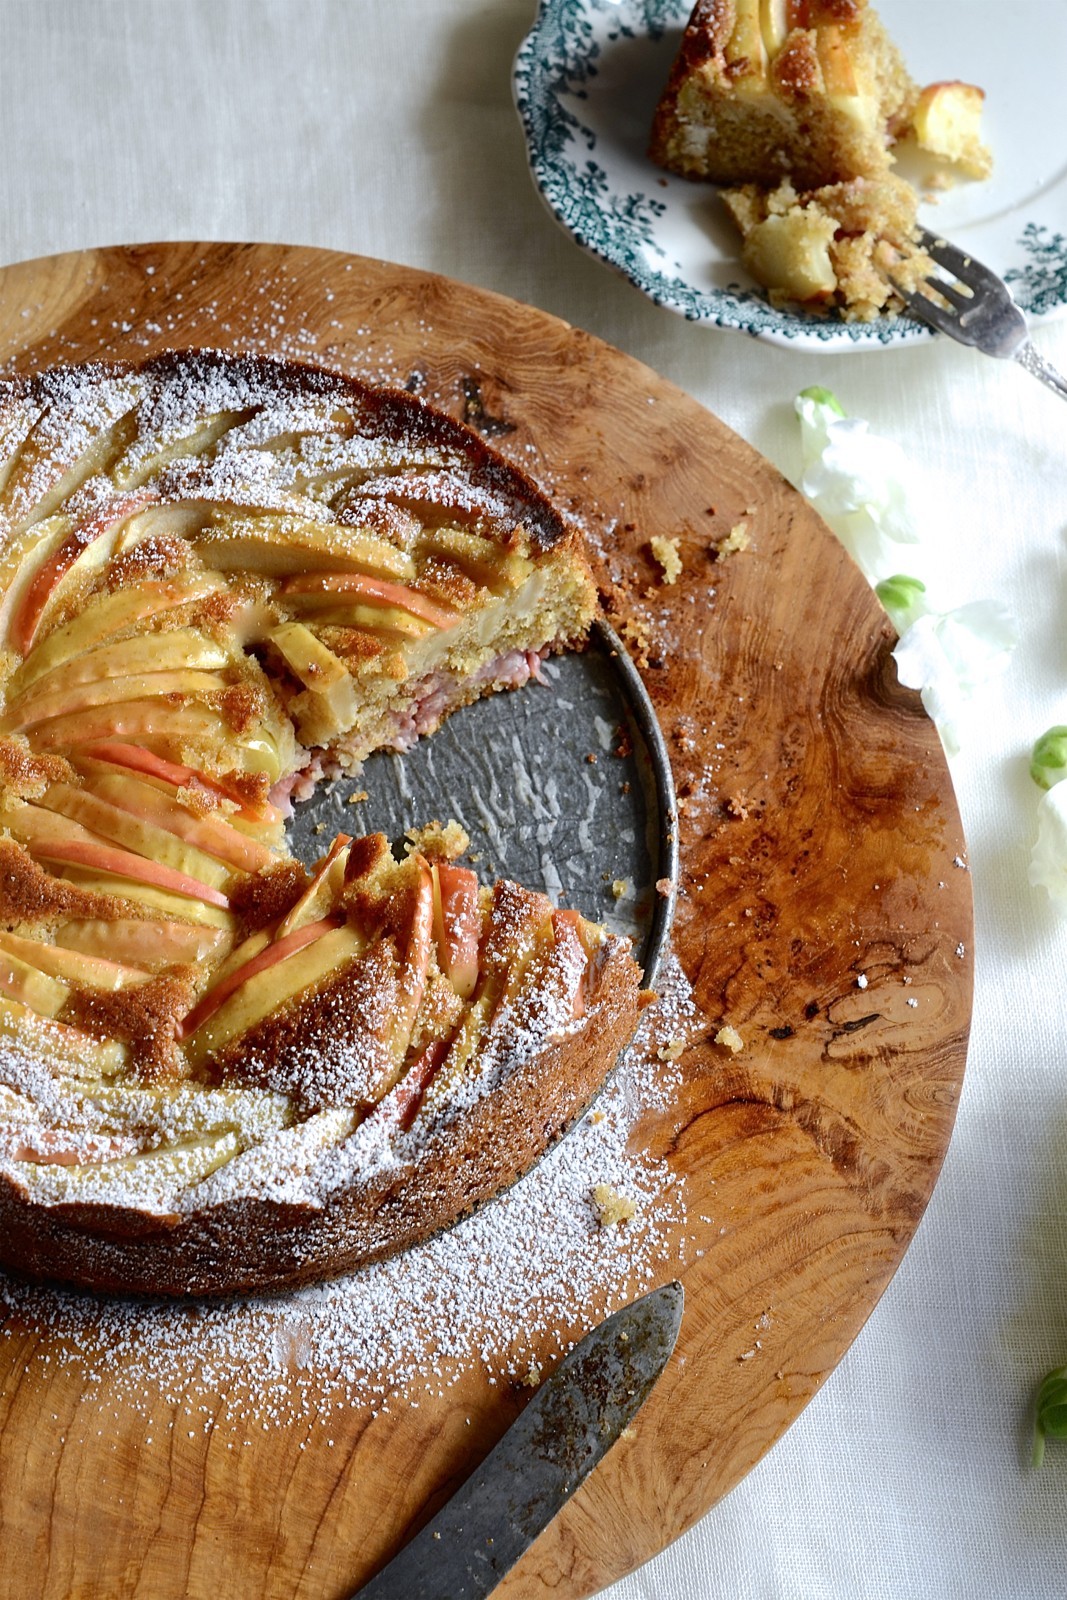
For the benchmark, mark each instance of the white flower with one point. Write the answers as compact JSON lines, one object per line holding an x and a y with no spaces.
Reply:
{"x":1048,"y":862}
{"x":948,"y":655}
{"x":859,"y":483}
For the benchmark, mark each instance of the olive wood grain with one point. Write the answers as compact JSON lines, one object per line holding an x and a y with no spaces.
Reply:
{"x":818,"y":840}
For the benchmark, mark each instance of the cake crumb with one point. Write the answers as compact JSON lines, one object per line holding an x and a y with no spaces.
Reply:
{"x":611,"y":1207}
{"x":730,"y":1039}
{"x":441,"y":843}
{"x":619,"y":887}
{"x":671,"y":1050}
{"x":667,"y":554}
{"x":637,"y":636}
{"x":736,"y":539}
{"x":357,"y":798}
{"x":531,"y":1377}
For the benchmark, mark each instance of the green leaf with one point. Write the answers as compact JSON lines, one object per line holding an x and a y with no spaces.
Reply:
{"x":1048,"y":759}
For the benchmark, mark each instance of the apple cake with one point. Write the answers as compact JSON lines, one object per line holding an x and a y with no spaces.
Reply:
{"x":221,"y":579}
{"x":796,"y":107}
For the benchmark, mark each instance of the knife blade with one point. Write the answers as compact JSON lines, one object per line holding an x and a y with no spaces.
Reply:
{"x":551,"y":1448}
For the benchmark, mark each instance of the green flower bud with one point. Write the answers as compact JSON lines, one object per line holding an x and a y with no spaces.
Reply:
{"x":823,"y":397}
{"x":903,"y":598}
{"x":1048,"y":760}
{"x":1050,"y":1421}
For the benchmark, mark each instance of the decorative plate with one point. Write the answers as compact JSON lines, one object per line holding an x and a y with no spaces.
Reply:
{"x":586,"y":81}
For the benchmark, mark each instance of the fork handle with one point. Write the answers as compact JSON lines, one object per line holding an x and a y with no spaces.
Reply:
{"x":1028,"y":357}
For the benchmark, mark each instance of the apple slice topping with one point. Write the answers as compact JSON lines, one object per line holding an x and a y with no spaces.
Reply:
{"x":52,"y":837}
{"x":27,"y":616}
{"x":257,"y":990}
{"x":208,"y":834}
{"x":322,"y":893}
{"x":278,"y":544}
{"x":133,"y":831}
{"x":142,"y":944}
{"x":135,"y":758}
{"x":372,"y":591}
{"x":457,"y":923}
{"x":404,"y":1099}
{"x":72,"y":966}
{"x":103,"y":617}
{"x":83,"y":1054}
{"x":266,"y":956}
{"x":62,"y":1147}
{"x":21,"y":981}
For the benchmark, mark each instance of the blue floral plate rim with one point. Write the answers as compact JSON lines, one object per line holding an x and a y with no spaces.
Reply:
{"x":573,"y":101}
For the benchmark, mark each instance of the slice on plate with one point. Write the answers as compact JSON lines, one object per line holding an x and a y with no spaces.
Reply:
{"x":795,"y":107}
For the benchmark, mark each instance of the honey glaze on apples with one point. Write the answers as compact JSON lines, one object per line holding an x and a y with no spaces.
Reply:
{"x":222,"y":580}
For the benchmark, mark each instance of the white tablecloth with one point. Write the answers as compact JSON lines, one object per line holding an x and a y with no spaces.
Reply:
{"x":385,"y":127}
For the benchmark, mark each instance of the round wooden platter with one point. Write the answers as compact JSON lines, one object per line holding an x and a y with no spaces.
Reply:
{"x":822,"y":913}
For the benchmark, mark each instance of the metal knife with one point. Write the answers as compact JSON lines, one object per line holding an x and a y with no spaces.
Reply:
{"x":552,"y":1447}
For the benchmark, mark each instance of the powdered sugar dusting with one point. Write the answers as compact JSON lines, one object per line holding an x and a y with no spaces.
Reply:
{"x":489,"y":1295}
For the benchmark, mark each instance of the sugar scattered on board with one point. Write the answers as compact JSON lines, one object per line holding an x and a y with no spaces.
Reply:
{"x":491,"y":1294}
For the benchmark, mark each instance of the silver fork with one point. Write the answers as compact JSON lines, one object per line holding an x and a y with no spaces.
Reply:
{"x":979,"y":310}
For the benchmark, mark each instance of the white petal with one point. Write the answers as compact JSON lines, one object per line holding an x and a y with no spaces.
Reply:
{"x":949,"y":656}
{"x":1048,"y":862}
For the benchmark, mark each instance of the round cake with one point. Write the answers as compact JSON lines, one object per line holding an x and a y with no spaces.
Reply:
{"x":223,"y":579}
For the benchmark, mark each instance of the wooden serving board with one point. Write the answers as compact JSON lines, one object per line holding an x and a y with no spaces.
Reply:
{"x":818,"y":836}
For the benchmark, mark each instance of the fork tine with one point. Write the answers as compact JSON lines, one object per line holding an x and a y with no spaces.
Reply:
{"x":928,"y":310}
{"x":951,"y":257}
{"x":962,"y":299}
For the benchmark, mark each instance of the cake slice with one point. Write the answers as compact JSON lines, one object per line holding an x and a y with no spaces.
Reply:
{"x":761,"y":90}
{"x":795,"y":107}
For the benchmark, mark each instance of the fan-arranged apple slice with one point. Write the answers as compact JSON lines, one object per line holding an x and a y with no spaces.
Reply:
{"x":257,"y":954}
{"x":329,"y":588}
{"x":490,"y":564}
{"x":279,"y":972}
{"x":281,"y":545}
{"x":141,"y":943}
{"x":163,"y":808}
{"x":70,"y":699}
{"x":71,"y":966}
{"x":82,"y":1053}
{"x":165,"y":729}
{"x":142,"y":655}
{"x":134,"y":831}
{"x":457,"y":923}
{"x":136,"y":758}
{"x":323,"y":893}
{"x":53,"y":463}
{"x":150,"y":455}
{"x":171,"y":905}
{"x":103,"y":617}
{"x":53,"y":837}
{"x":21,"y":981}
{"x":27,"y":615}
